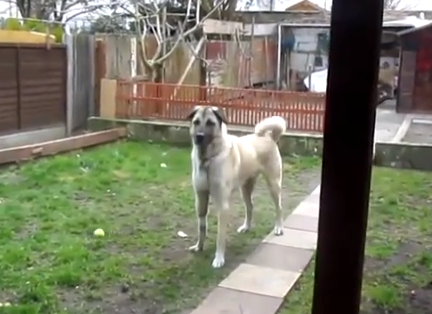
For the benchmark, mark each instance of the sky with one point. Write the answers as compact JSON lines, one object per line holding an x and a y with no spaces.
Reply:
{"x":280,"y":5}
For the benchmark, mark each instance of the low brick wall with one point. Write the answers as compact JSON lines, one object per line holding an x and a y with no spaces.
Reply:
{"x":404,"y":156}
{"x":178,"y":134}
{"x":395,"y":155}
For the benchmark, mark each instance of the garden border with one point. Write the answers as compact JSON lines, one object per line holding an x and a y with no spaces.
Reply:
{"x":387,"y":154}
{"x":29,"y":152}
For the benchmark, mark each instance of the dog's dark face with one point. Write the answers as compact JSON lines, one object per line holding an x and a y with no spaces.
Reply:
{"x":206,"y":124}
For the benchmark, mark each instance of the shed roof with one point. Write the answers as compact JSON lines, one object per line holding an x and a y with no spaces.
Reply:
{"x":401,"y":24}
{"x":305,"y":5}
{"x":416,"y":28}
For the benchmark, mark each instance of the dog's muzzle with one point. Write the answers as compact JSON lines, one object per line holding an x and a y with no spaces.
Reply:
{"x":199,"y":138}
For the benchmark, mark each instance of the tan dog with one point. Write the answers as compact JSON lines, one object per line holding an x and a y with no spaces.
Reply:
{"x":222,"y":163}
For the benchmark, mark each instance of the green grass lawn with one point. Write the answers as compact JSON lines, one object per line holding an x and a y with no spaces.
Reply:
{"x":50,"y":261}
{"x":398,"y":267}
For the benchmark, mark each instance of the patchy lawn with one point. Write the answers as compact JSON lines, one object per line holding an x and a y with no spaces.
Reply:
{"x":50,"y":261}
{"x":398,"y":267}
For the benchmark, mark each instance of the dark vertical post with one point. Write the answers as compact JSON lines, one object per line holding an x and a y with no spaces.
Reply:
{"x":347,"y":155}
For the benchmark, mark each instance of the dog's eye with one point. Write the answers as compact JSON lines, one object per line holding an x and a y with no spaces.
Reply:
{"x":210,"y":123}
{"x":196,"y":122}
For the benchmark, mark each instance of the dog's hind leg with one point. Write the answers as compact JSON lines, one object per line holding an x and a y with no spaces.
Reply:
{"x":246,"y":191}
{"x":275,"y":187}
{"x":201,"y":207}
{"x":273,"y":176}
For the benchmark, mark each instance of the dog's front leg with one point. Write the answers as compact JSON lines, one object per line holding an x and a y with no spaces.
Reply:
{"x":201,"y":207}
{"x":222,"y":205}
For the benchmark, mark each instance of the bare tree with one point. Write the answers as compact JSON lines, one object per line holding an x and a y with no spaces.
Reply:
{"x":152,"y":19}
{"x":400,"y":5}
{"x":56,"y":10}
{"x":222,"y":10}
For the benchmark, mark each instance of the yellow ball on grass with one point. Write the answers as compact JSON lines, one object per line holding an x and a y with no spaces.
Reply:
{"x":99,"y":232}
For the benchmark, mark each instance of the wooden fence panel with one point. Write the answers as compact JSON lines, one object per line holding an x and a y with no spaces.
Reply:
{"x":302,"y":111}
{"x":241,"y":64}
{"x":32,"y":86}
{"x":99,"y":72}
{"x":42,"y":86}
{"x":9,"y":117}
{"x":118,"y":54}
{"x":83,"y":99}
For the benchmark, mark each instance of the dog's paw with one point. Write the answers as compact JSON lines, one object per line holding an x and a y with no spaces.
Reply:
{"x":218,"y":262}
{"x":196,"y":248}
{"x":278,"y":231}
{"x":243,"y":228}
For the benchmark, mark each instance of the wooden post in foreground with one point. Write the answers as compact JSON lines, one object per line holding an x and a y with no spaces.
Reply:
{"x":347,"y":155}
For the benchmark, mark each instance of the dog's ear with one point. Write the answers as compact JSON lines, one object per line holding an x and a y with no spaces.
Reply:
{"x":220,"y":115}
{"x":192,"y":113}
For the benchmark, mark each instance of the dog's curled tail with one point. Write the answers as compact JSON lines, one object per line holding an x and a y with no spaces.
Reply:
{"x":275,"y":125}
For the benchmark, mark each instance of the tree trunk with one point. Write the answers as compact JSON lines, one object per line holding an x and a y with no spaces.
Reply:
{"x":157,"y":73}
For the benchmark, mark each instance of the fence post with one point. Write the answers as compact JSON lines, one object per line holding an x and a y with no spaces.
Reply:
{"x":68,"y":41}
{"x":278,"y":65}
{"x":133,"y":70}
{"x":91,"y":98}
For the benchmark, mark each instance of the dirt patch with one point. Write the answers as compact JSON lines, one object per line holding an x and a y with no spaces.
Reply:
{"x":403,"y":269}
{"x":416,"y":301}
{"x":420,"y":301}
{"x":401,"y":257}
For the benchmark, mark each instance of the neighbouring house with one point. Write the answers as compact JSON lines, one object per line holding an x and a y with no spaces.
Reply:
{"x":305,"y":6}
{"x":305,"y":37}
{"x":415,"y":75}
{"x":263,"y":15}
{"x":304,"y":11}
{"x":304,"y":50}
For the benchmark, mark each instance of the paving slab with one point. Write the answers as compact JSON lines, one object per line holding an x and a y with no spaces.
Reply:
{"x":301,"y":222}
{"x":388,"y":122}
{"x":294,"y":238}
{"x":280,"y":257}
{"x":228,"y":301}
{"x":307,"y":208}
{"x":261,"y":280}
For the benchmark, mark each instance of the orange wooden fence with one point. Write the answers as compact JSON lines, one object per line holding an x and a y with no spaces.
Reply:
{"x":145,"y":100}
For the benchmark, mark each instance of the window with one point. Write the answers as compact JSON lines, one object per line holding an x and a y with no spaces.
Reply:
{"x":318,"y":61}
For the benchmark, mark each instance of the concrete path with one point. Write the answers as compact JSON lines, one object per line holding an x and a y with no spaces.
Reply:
{"x":409,"y":128}
{"x":32,"y":137}
{"x":260,"y":284}
{"x":388,"y":122}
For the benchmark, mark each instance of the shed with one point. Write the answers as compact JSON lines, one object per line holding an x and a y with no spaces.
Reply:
{"x":304,"y":49}
{"x":305,"y":6}
{"x":415,"y":71}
